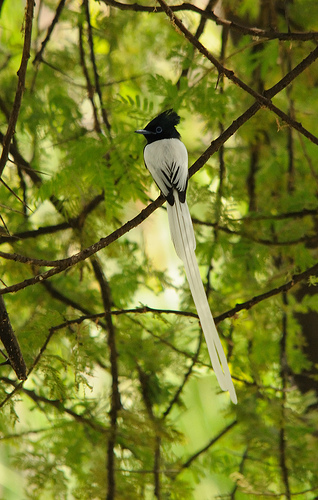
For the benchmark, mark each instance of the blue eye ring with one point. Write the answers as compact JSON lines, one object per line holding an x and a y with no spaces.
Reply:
{"x":158,"y":130}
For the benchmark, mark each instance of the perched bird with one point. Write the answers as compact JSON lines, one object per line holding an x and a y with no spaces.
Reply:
{"x":166,"y":158}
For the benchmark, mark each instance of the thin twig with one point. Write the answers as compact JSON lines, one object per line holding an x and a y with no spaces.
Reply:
{"x":93,"y":60}
{"x":14,"y":194}
{"x":76,"y":222}
{"x":89,"y":85}
{"x":193,"y":457}
{"x":198,"y":33}
{"x":185,"y":379}
{"x":38,"y":56}
{"x":57,"y":403}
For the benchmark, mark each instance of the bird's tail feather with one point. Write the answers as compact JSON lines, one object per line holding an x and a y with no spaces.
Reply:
{"x":183,"y":238}
{"x":181,"y":227}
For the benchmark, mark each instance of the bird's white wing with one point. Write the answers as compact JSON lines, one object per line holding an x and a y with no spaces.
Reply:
{"x":166,"y":172}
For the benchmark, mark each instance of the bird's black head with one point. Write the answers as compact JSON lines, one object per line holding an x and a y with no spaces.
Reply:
{"x":162,"y":127}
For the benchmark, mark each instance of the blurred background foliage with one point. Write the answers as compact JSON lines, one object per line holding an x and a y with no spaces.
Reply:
{"x":120,"y":401}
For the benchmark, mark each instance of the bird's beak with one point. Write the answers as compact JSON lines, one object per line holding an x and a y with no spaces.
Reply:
{"x":144,"y":132}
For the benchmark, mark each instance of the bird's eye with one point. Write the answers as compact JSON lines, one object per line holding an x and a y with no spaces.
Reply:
{"x":158,"y":130}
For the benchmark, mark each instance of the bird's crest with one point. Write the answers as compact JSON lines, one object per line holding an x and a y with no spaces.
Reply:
{"x":166,"y":120}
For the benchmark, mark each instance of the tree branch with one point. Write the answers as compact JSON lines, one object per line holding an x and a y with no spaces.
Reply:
{"x":312,"y":271}
{"x":11,"y":343}
{"x":252,"y":110}
{"x":297,"y":214}
{"x":244,"y":30}
{"x":284,"y":377}
{"x":63,"y":264}
{"x":311,"y":240}
{"x":21,"y":162}
{"x":263,"y":100}
{"x":21,"y":84}
{"x":115,"y":395}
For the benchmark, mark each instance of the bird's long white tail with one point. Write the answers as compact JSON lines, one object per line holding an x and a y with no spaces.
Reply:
{"x":183,"y":238}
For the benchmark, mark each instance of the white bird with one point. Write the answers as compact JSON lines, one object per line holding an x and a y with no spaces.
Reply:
{"x":166,"y":158}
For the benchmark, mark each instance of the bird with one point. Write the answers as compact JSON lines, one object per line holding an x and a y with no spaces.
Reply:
{"x":166,"y":158}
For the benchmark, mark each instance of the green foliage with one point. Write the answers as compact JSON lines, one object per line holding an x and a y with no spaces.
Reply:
{"x":117,"y":370}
